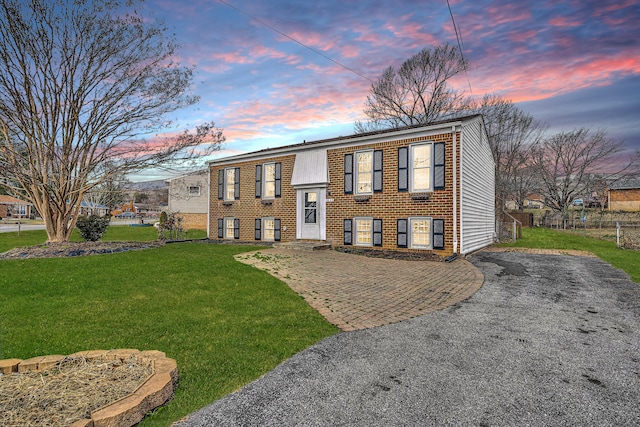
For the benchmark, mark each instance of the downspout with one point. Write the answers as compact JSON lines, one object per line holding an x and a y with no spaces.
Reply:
{"x":455,"y":191}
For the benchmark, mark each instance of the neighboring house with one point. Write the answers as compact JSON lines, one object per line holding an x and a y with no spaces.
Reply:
{"x":428,"y":188}
{"x":189,"y":196}
{"x":11,"y":207}
{"x":92,"y":208}
{"x":624,"y":196}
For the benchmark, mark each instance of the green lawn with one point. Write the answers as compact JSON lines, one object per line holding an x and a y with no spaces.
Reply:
{"x":545,"y":238}
{"x":114,"y":233}
{"x":224,"y":322}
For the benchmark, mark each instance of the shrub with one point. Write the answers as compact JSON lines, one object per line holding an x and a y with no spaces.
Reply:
{"x":92,"y":227}
{"x":171,"y":227}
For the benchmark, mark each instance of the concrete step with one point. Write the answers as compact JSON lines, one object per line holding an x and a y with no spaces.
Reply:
{"x":303,"y":245}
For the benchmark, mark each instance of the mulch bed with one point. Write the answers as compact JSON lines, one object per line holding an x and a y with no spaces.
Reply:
{"x":68,"y":392}
{"x":72,"y":249}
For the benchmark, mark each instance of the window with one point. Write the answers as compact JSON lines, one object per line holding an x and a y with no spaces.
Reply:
{"x":420,"y":172}
{"x":310,"y":207}
{"x":229,"y":184}
{"x":421,"y":167}
{"x":420,"y":233}
{"x":269,"y":181}
{"x":194,"y":190}
{"x":229,"y":180}
{"x":364,"y":172}
{"x":364,"y":231}
{"x":268,"y":229}
{"x":229,"y":228}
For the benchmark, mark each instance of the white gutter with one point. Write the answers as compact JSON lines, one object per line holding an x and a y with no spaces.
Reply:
{"x":455,"y":192}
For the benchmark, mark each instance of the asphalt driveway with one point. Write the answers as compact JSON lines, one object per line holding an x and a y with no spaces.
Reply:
{"x":547,"y":340}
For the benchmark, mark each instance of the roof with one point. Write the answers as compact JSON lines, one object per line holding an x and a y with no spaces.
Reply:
{"x":356,"y":138}
{"x":197,"y":172}
{"x":631,"y":184}
{"x":9,"y":200}
{"x":93,"y":205}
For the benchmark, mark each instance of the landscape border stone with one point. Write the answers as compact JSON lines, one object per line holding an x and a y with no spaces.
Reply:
{"x":156,"y":391}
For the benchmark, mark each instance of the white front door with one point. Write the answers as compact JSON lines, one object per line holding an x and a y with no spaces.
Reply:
{"x":311,"y":214}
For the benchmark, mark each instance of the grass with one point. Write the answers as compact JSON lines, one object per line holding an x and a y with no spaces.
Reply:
{"x":544,"y":238}
{"x":113,"y":234}
{"x":224,"y":322}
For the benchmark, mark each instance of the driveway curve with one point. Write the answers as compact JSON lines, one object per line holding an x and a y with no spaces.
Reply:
{"x":547,"y":340}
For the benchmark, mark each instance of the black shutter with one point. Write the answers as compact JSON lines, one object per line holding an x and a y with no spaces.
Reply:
{"x":403,"y":169}
{"x":348,"y":224}
{"x":236,"y":184}
{"x":236,"y":228}
{"x":377,"y":170}
{"x":220,"y":228}
{"x":438,"y":234}
{"x":221,"y":184}
{"x":276,"y":229}
{"x":258,"y":228}
{"x":278,"y":179}
{"x":258,"y":182}
{"x":377,"y":232}
{"x":348,"y":174}
{"x":402,"y":233}
{"x":438,"y":166}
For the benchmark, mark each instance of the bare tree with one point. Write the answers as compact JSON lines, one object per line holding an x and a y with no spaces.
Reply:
{"x":567,"y":162}
{"x":512,"y":133}
{"x":416,"y":93}
{"x":82,"y":83}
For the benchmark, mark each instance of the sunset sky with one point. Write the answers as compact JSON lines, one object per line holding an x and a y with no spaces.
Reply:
{"x":570,"y":63}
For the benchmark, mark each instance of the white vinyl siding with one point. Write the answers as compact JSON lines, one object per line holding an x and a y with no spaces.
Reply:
{"x":364,"y":231}
{"x":420,"y":173}
{"x":364,"y":172}
{"x":477,"y":182}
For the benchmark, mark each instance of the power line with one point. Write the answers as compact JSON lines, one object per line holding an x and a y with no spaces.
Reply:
{"x":458,"y":38}
{"x":294,"y":40}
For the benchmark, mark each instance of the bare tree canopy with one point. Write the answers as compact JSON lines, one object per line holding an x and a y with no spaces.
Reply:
{"x":416,"y":93}
{"x":82,"y":82}
{"x":567,"y":162}
{"x":512,"y":133}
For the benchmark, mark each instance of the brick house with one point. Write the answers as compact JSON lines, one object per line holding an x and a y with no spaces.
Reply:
{"x":10,"y":207}
{"x":427,"y":188}
{"x":624,"y":196}
{"x":189,"y":196}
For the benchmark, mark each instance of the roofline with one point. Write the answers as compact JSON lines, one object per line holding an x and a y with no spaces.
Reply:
{"x":198,"y":172}
{"x":356,"y":139}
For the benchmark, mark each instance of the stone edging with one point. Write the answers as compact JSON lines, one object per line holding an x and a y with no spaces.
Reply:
{"x":129,"y":410}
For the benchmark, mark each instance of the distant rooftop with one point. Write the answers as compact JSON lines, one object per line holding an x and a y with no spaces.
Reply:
{"x":626,"y":185}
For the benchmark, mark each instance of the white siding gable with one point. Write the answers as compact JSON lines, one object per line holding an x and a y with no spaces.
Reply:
{"x":310,"y":168}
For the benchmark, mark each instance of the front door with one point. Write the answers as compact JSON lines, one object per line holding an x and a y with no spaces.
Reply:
{"x":311,"y":214}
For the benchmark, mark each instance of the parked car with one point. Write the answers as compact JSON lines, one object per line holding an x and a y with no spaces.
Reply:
{"x":578,"y":202}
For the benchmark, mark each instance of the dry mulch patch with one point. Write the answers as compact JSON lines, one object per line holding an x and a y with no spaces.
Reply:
{"x":71,"y":249}
{"x":68,"y":392}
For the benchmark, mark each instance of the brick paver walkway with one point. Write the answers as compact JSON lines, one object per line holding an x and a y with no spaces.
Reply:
{"x":357,"y":292}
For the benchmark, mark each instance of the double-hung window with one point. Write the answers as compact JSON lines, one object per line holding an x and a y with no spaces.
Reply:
{"x":364,"y":231}
{"x":269,"y":181}
{"x":364,"y":172}
{"x":421,"y":167}
{"x":194,"y":190}
{"x":420,"y":233}
{"x":420,"y":173}
{"x":228,"y":228}
{"x":268,"y":229}
{"x":229,"y":184}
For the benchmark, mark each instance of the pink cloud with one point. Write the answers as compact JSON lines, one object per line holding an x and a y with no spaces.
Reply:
{"x":563,"y":21}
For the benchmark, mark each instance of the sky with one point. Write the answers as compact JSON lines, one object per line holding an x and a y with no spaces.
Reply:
{"x":571,"y":64}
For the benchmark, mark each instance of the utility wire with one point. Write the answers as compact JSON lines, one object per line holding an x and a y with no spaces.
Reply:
{"x":294,"y":40}
{"x":459,"y":37}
